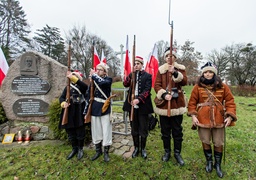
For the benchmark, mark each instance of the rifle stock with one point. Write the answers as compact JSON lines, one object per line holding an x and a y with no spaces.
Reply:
{"x":65,"y":114}
{"x":88,"y":115}
{"x":133,"y":79}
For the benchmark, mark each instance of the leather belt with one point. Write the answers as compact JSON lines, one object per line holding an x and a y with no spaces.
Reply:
{"x":99,"y":100}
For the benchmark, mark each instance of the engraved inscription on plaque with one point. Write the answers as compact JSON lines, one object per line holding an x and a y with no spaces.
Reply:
{"x":30,"y":85}
{"x":28,"y":64}
{"x":30,"y":107}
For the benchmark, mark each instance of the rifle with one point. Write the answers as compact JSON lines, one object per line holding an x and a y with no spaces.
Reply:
{"x":88,"y":115}
{"x":65,"y":114}
{"x":224,"y":150}
{"x":168,"y":73}
{"x":133,"y":79}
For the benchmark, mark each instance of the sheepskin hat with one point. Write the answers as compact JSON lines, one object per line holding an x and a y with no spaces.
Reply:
{"x":209,"y":67}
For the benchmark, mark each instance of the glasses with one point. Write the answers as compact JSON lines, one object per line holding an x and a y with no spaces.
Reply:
{"x":99,"y":69}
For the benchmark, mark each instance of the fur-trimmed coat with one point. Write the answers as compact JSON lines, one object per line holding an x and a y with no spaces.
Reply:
{"x":178,"y":105}
{"x":200,"y":104}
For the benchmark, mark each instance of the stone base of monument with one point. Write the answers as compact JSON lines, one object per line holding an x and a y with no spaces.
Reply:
{"x":25,"y":131}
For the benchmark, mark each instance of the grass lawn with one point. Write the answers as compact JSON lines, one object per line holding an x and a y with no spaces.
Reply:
{"x":48,"y":161}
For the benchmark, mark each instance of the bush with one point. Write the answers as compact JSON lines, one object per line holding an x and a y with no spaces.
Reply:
{"x":54,"y":119}
{"x":244,"y":90}
{"x":3,"y":117}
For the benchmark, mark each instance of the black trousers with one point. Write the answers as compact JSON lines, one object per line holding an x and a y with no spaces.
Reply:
{"x":139,"y":124}
{"x":172,"y":126}
{"x":77,"y":133}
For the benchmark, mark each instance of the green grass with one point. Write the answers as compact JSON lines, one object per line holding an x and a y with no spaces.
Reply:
{"x":48,"y":162}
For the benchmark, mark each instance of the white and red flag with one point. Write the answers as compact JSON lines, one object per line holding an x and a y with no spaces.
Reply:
{"x":3,"y":67}
{"x":152,"y":65}
{"x":96,"y":59}
{"x":103,"y":58}
{"x":127,"y":64}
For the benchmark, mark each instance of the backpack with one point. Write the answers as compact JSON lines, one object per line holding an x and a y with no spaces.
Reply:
{"x":152,"y":122}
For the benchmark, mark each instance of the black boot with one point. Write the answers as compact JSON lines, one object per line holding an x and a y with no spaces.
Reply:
{"x":217,"y":164}
{"x":178,"y":157}
{"x":136,"y":146}
{"x":74,"y":149}
{"x":167,"y":155}
{"x":80,"y":153}
{"x":209,"y":163}
{"x":143,"y":145}
{"x":98,"y":152}
{"x":167,"y":149}
{"x":177,"y":151}
{"x":106,"y":156}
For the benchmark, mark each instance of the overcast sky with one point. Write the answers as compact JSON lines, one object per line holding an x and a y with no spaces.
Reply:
{"x":211,"y":24}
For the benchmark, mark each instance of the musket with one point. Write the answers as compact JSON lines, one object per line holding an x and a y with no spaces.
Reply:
{"x":224,"y":116}
{"x":168,"y":73}
{"x":88,"y":115}
{"x":65,"y":114}
{"x":133,"y":80}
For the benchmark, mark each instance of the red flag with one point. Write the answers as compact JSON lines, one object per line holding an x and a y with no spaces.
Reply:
{"x":96,"y":59}
{"x":3,"y":66}
{"x":153,"y":65}
{"x":103,"y":58}
{"x":127,"y":64}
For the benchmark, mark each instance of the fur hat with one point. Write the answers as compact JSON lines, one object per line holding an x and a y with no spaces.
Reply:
{"x":139,"y":59}
{"x":167,"y":51}
{"x":104,"y":66}
{"x":209,"y":67}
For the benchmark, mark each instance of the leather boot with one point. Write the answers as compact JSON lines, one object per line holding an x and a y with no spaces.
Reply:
{"x":177,"y":151}
{"x":73,"y":153}
{"x":167,"y":149}
{"x":98,"y":151}
{"x":217,"y":164}
{"x":106,"y":156}
{"x":167,"y":155}
{"x":178,"y":157}
{"x":80,"y":153}
{"x":136,"y":146}
{"x":74,"y":149}
{"x":209,"y":162}
{"x":143,"y":145}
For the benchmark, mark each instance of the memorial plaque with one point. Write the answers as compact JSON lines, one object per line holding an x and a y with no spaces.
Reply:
{"x":30,"y":85}
{"x":30,"y":107}
{"x":28,"y":64}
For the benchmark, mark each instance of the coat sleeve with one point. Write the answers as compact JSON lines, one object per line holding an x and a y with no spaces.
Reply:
{"x":229,"y":103}
{"x":193,"y":100}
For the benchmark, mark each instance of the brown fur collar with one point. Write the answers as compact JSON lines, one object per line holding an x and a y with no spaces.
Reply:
{"x":162,"y":69}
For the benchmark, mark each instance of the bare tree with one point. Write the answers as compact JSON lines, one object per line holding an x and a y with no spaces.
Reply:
{"x":82,"y":43}
{"x":220,"y":59}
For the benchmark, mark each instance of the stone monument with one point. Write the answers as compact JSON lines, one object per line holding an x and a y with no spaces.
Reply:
{"x":32,"y":82}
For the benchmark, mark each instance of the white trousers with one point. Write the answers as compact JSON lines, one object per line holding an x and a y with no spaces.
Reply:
{"x":101,"y":130}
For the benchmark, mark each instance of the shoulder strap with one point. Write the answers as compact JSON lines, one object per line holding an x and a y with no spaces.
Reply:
{"x":100,"y":90}
{"x":75,"y":88}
